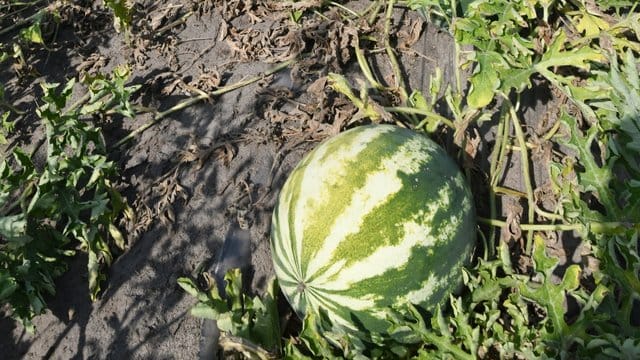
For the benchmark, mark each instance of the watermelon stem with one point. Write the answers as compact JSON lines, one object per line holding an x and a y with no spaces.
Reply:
{"x":497,"y":167}
{"x":612,"y":227}
{"x":430,"y":114}
{"x":524,"y":165}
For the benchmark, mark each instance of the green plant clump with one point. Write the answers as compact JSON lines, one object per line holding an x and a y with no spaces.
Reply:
{"x":48,"y":213}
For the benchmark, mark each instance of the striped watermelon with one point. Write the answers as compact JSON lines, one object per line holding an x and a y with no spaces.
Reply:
{"x":375,"y":216}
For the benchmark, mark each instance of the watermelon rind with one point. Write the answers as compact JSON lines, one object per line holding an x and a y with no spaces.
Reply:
{"x":372,"y":218}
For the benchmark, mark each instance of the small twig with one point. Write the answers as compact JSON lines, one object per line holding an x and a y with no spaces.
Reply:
{"x":364,"y":67}
{"x":507,"y":191}
{"x":502,"y":143}
{"x":81,"y":101}
{"x":518,"y":148}
{"x":12,"y":108}
{"x":321,"y":15}
{"x":486,"y":244}
{"x":19,"y":3}
{"x":548,"y":215}
{"x":24,"y":7}
{"x":202,"y":96}
{"x":195,"y":39}
{"x":552,"y":131}
{"x":375,"y":10}
{"x":431,"y":114}
{"x":21,"y":22}
{"x":173,"y":24}
{"x":345,"y":9}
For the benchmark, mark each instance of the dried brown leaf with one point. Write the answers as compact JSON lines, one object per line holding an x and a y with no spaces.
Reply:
{"x":286,"y":42}
{"x":513,"y":211}
{"x":208,"y":80}
{"x":169,"y":191}
{"x":143,"y":220}
{"x":409,"y":34}
{"x":224,"y":153}
{"x":158,"y":19}
{"x":545,"y":197}
{"x":318,"y":88}
{"x":91,"y":65}
{"x":223,"y":31}
{"x":472,"y":144}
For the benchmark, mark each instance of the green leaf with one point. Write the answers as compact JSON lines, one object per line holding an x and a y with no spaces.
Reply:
{"x":266,"y":327}
{"x":32,"y":34}
{"x":203,"y":310}
{"x":624,"y":81}
{"x":516,"y":78}
{"x":94,"y":274}
{"x":189,"y":286}
{"x":233,"y":288}
{"x":418,"y":101}
{"x":590,"y":24}
{"x":313,"y":339}
{"x":594,"y":178}
{"x":5,"y":126}
{"x":439,"y":322}
{"x":485,"y":81}
{"x":551,"y":296}
{"x":439,"y":12}
{"x":13,"y":228}
{"x":558,"y":55}
{"x":122,"y":14}
{"x":8,"y":285}
{"x":296,"y":15}
{"x":51,"y":209}
{"x":254,"y":319}
{"x":117,"y":236}
{"x":487,"y":292}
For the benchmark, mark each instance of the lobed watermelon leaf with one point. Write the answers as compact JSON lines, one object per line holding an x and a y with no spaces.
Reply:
{"x":552,"y":297}
{"x":238,"y":316}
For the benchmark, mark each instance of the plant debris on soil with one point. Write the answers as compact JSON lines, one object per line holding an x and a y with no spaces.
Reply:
{"x":212,"y":104}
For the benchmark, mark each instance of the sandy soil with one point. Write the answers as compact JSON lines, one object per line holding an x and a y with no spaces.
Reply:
{"x":211,"y":171}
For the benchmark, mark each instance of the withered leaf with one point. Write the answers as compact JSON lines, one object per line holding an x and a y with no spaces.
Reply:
{"x":225,"y":153}
{"x":409,"y":34}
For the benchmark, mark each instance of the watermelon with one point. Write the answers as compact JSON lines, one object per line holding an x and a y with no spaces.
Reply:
{"x":372,"y":218}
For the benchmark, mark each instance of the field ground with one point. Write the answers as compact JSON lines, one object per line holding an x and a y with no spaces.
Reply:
{"x":212,"y":170}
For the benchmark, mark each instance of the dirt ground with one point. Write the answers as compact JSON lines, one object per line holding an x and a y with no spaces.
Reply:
{"x":211,"y":171}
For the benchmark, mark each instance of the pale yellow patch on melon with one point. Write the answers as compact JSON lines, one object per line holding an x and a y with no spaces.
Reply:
{"x":378,"y":188}
{"x":384,"y":258}
{"x":420,"y":295}
{"x":321,"y":176}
